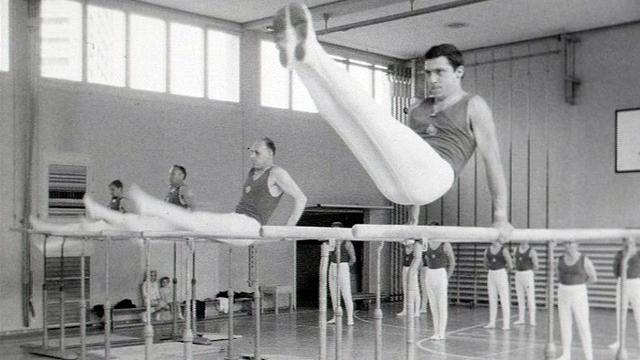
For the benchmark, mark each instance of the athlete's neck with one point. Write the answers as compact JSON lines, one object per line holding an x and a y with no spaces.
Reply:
{"x":444,"y":102}
{"x":257,"y":172}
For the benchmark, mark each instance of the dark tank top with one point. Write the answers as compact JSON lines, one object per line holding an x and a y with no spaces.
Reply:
{"x":256,"y":201}
{"x":436,"y":259}
{"x":174,"y":197}
{"x":633,"y":266}
{"x":496,"y":261}
{"x":116,"y":204}
{"x":574,"y":274}
{"x":523,"y":260}
{"x":344,"y":255}
{"x":407,"y":258}
{"x":448,"y":132}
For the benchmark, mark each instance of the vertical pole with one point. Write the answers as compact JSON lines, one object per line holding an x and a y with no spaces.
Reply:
{"x":62,"y":297}
{"x":550,"y":348}
{"x":230,"y":297}
{"x":107,"y":302}
{"x":322,"y":299}
{"x":30,"y":148}
{"x":45,"y":293}
{"x":458,"y":274}
{"x":194,"y":320}
{"x":83,"y":307}
{"x":411,"y":292}
{"x":338,"y":305}
{"x":377,"y":315}
{"x":148,"y":329}
{"x":256,"y":303}
{"x":475,"y":274}
{"x":176,"y":306}
{"x":622,"y":354}
{"x":187,"y":334}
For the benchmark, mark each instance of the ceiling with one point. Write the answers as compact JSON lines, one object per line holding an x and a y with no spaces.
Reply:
{"x":490,"y":22}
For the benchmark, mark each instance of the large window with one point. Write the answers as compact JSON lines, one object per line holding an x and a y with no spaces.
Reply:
{"x":187,"y":60}
{"x":106,"y":52}
{"x":61,"y":39}
{"x":280,"y":88}
{"x":274,"y":79}
{"x":4,"y":35}
{"x":382,"y":88}
{"x":148,"y":53}
{"x":300,"y":98}
{"x":160,"y":53}
{"x":223,"y":64}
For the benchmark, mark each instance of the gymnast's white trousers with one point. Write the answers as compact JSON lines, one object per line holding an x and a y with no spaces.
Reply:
{"x":573,"y":303}
{"x":437,"y":286}
{"x":525,"y":291}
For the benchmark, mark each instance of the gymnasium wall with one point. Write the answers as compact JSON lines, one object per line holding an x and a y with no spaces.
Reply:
{"x":136,"y":136}
{"x":532,"y":120}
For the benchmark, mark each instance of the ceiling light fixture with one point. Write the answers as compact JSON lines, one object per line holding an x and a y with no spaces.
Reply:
{"x":457,"y":25}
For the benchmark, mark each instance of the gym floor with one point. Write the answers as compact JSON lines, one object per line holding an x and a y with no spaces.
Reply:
{"x":296,"y":337}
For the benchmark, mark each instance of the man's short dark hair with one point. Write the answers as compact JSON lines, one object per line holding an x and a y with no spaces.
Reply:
{"x":449,"y":51}
{"x":181,"y":168}
{"x":270,"y":144}
{"x":117,"y":183}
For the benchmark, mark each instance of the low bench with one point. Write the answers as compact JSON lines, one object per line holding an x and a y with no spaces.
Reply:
{"x":126,"y":316}
{"x":364,"y":299}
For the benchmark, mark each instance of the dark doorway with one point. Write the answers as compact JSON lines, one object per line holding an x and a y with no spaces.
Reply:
{"x":308,"y":253}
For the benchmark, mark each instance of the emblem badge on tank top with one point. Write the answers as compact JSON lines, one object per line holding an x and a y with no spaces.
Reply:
{"x":431,"y":130}
{"x":247,"y":189}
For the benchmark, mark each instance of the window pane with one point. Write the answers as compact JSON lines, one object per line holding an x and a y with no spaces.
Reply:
{"x":223,"y":51}
{"x":61,"y":39}
{"x":274,"y":79}
{"x":340,"y":61}
{"x":301,"y":100}
{"x":383,"y":89}
{"x":105,"y":46}
{"x":4,"y":35}
{"x":187,"y":60}
{"x":148,"y":53}
{"x":363,"y":76}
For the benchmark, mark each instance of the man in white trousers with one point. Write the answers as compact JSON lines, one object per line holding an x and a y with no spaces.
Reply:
{"x":497,"y":260}
{"x":347,"y":259}
{"x":632,"y":287}
{"x":575,"y":271}
{"x":440,"y":264}
{"x":526,"y":265}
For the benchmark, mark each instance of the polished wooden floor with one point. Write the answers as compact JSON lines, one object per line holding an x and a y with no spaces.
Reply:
{"x":295,"y":335}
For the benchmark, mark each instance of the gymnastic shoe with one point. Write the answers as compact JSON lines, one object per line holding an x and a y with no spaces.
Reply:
{"x":332,"y":321}
{"x":292,"y":29}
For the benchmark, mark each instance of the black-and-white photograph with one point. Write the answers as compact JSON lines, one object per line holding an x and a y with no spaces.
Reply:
{"x":319,"y":179}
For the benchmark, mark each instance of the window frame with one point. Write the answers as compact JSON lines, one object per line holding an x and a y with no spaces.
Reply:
{"x":167,"y":16}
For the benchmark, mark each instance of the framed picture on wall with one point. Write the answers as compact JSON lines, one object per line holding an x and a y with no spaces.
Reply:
{"x":628,"y":140}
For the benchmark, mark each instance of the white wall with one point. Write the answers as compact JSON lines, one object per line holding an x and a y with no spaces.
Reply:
{"x":136,"y":136}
